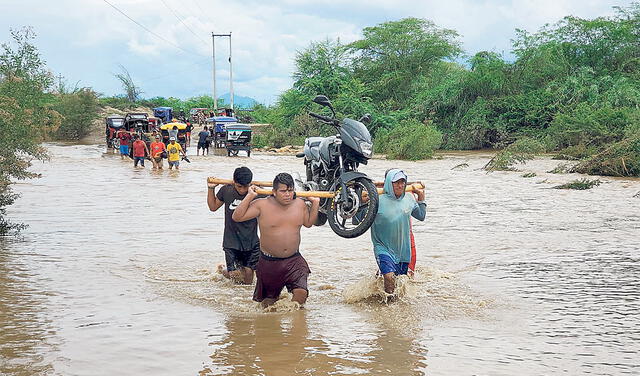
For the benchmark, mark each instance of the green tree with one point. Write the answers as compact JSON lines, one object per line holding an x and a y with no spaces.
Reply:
{"x":392,"y":55}
{"x":25,"y":119}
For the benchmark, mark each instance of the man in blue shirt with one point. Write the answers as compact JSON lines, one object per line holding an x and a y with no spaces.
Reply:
{"x":391,"y":230}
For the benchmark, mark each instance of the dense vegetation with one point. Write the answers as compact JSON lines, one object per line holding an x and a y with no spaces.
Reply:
{"x":573,"y":86}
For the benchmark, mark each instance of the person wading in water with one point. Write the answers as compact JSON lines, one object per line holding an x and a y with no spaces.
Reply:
{"x":240,"y":243}
{"x":280,"y":218}
{"x":391,"y":230}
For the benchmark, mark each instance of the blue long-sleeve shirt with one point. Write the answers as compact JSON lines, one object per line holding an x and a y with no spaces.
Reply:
{"x":390,"y":232}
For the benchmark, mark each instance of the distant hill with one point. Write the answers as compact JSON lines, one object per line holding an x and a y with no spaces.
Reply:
{"x":238,"y":100}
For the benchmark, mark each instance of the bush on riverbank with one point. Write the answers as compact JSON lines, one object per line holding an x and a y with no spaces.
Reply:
{"x":78,"y":109}
{"x":520,"y":151}
{"x":620,"y":159}
{"x":410,"y":140}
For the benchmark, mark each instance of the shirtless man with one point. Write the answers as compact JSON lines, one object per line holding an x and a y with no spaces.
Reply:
{"x":280,"y":218}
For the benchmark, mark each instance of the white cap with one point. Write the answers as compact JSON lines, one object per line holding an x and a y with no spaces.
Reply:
{"x":399,"y":175}
{"x":172,"y":138}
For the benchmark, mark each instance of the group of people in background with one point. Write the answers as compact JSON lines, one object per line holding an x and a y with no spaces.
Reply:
{"x":157,"y":151}
{"x":275,"y":257}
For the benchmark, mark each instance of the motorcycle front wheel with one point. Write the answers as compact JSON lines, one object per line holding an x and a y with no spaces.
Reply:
{"x":353,"y":217}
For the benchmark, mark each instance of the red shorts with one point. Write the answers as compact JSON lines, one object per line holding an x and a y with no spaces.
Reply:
{"x":275,"y":273}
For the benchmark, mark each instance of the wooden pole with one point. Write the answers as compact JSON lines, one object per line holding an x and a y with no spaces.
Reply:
{"x":322,"y":194}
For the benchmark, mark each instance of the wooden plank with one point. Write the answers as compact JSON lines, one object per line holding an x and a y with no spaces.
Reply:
{"x":322,"y":194}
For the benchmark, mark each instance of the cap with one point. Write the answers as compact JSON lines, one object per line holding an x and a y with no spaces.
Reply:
{"x":399,"y":175}
{"x":172,"y":138}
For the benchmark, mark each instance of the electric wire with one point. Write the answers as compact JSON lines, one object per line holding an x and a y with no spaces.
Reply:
{"x":151,"y":32}
{"x":182,"y":21}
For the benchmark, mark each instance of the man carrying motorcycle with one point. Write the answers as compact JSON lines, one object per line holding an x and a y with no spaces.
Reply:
{"x":391,"y":230}
{"x":280,"y":218}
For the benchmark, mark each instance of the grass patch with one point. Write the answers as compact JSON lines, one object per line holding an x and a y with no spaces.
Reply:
{"x":580,"y":184}
{"x":529,"y":175}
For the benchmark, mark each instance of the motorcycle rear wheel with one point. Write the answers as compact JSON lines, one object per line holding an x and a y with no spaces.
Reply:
{"x":360,"y":214}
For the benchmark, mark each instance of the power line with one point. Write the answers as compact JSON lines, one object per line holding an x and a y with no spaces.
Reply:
{"x":180,"y":19}
{"x":151,"y":32}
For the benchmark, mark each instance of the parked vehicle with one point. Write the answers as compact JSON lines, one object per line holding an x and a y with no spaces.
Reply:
{"x":154,"y":123}
{"x":217,"y":125}
{"x":332,"y":165}
{"x":136,"y":121}
{"x":182,"y":133}
{"x":113,"y":124}
{"x":198,"y":115}
{"x":238,"y":137}
{"x":163,"y":113}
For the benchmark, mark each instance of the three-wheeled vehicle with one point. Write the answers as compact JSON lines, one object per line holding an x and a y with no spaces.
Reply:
{"x":113,"y":124}
{"x":238,"y":137}
{"x":217,"y":125}
{"x":182,"y":134}
{"x":136,"y":121}
{"x":163,"y":113}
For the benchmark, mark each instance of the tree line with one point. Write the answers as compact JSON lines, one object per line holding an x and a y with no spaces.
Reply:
{"x":573,"y":88}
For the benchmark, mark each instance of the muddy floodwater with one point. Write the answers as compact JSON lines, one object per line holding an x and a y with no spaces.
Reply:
{"x":116,"y":275}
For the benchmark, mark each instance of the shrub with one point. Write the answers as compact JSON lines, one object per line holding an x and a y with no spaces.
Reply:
{"x":619,"y":159}
{"x":520,"y":151}
{"x":410,"y":140}
{"x":580,"y":184}
{"x":78,"y":110}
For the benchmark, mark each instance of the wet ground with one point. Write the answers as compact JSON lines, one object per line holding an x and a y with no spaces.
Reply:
{"x":116,"y":275}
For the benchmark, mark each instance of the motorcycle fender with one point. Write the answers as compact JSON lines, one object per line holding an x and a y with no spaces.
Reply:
{"x":352,"y":175}
{"x":345,"y":178}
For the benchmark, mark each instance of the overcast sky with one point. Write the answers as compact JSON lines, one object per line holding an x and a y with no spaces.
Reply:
{"x":87,"y":40}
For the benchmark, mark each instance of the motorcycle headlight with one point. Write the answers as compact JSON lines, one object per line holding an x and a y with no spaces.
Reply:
{"x":367,"y":148}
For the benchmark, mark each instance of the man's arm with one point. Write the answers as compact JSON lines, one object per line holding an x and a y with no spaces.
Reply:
{"x":247,"y":209}
{"x":212,"y":200}
{"x":420,"y":211}
{"x":311,"y":214}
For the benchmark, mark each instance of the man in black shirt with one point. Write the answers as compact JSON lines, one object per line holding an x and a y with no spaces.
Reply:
{"x":240,"y":243}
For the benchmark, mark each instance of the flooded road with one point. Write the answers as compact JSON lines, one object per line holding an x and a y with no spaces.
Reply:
{"x":116,"y":275}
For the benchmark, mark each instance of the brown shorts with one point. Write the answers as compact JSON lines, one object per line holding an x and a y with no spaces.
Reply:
{"x":275,"y":273}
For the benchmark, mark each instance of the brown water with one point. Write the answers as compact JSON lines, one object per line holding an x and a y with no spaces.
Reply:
{"x":116,"y":275}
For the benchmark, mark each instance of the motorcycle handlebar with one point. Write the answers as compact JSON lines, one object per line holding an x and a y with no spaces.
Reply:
{"x":326,"y":119}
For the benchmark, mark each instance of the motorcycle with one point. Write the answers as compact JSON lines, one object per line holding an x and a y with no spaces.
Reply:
{"x":332,"y":165}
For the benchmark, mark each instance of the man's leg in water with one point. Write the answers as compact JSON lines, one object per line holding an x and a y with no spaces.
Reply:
{"x":247,"y":275}
{"x":389,"y":282}
{"x":299,"y":295}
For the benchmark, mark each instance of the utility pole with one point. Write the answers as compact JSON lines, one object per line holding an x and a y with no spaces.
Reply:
{"x":215,"y":97}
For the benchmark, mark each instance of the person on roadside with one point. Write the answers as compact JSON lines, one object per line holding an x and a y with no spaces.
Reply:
{"x":280,"y":218}
{"x":140,"y":151}
{"x":203,"y":137}
{"x":240,"y":242}
{"x":125,"y":137}
{"x":174,"y":150}
{"x":157,"y":148}
{"x":188,"y":131}
{"x":391,"y":229}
